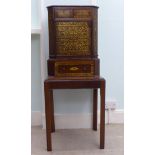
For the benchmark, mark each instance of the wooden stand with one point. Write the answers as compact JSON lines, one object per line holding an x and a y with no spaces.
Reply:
{"x":55,"y":83}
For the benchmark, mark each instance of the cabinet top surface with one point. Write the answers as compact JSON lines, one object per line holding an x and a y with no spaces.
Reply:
{"x":93,"y":6}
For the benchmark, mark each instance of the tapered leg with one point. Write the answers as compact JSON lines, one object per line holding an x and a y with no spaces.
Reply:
{"x":95,"y":109}
{"x":48,"y":117}
{"x":102,"y":115}
{"x":52,"y":111}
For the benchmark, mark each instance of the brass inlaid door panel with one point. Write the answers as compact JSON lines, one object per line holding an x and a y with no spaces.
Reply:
{"x":73,"y":38}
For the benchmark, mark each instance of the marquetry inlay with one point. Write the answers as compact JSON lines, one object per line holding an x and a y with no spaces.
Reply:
{"x":73,"y":38}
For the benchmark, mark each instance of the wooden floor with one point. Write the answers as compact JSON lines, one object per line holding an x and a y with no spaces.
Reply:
{"x":79,"y":141}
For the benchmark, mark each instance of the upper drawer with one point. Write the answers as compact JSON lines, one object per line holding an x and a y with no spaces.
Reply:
{"x":63,"y":13}
{"x":82,"y":13}
{"x":73,"y":13}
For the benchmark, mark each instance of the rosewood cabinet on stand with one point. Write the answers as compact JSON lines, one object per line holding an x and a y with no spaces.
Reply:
{"x":73,"y":60}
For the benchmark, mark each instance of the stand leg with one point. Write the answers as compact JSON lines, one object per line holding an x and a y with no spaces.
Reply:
{"x":52,"y":111}
{"x":48,"y":117}
{"x":102,"y":115}
{"x":95,"y":109}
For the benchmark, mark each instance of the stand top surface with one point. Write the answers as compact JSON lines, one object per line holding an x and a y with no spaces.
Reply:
{"x":95,"y":78}
{"x":76,"y":83}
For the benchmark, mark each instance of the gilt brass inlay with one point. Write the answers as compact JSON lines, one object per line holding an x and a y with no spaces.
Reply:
{"x":74,"y":68}
{"x":73,"y":38}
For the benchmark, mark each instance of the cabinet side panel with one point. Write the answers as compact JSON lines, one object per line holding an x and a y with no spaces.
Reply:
{"x":51,"y":31}
{"x":95,"y":32}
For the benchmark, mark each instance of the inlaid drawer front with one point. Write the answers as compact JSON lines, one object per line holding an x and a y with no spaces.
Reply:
{"x":74,"y":68}
{"x":73,"y":13}
{"x":82,"y":13}
{"x":63,"y":13}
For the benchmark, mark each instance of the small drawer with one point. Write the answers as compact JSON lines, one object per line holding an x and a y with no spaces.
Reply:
{"x":74,"y":68}
{"x":82,"y":13}
{"x":63,"y":13}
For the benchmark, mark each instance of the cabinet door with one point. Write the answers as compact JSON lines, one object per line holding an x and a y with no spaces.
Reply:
{"x":73,"y":38}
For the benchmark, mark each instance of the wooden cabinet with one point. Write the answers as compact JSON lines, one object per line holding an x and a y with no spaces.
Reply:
{"x":73,"y":60}
{"x":73,"y":41}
